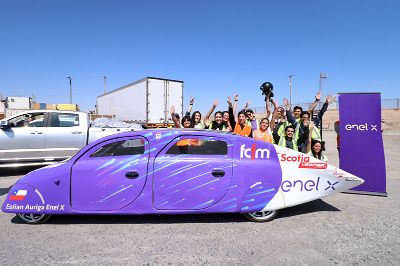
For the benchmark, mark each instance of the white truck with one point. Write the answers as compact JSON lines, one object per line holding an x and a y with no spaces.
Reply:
{"x":40,"y":137}
{"x":146,"y":101}
{"x":18,"y":102}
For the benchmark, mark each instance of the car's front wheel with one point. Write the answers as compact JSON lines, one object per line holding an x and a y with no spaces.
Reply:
{"x":260,"y":217}
{"x":33,"y":218}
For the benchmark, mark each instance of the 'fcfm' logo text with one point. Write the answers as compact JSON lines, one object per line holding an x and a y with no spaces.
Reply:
{"x":253,"y":153}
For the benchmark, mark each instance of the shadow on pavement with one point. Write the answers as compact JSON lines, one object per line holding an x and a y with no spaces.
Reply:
{"x":314,"y":206}
{"x":142,"y":219}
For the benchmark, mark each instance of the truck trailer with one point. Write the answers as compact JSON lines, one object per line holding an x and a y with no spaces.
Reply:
{"x":146,"y":101}
{"x":18,"y":102}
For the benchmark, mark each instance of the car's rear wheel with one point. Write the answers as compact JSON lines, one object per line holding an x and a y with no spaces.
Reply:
{"x":260,"y":217}
{"x":33,"y":218}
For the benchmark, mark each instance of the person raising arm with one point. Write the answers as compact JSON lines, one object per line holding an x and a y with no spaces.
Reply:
{"x":186,"y":121}
{"x":174,"y":118}
{"x":207,"y":117}
{"x":240,"y":127}
{"x":191,"y":102}
{"x":314,"y":104}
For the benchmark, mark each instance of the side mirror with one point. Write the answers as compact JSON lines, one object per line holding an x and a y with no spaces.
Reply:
{"x":4,"y":124}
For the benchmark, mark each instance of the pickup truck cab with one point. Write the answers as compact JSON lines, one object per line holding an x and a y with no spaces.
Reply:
{"x":40,"y":137}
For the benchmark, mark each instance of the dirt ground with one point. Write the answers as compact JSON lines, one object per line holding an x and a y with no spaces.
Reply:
{"x":390,"y":119}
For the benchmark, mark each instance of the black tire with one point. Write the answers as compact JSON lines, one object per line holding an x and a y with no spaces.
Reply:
{"x":261,"y":217}
{"x":33,"y":218}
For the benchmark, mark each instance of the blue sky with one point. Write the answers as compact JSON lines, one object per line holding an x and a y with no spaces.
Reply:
{"x":216,"y":47}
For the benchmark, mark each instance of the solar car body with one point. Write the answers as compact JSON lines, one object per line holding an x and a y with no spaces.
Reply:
{"x":176,"y":171}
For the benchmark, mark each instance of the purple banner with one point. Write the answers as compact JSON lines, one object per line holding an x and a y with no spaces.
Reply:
{"x":361,"y":144}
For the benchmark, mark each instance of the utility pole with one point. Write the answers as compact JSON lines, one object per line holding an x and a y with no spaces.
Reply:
{"x":70,"y":89}
{"x":290,"y":89}
{"x":105,"y":83}
{"x":321,"y":77}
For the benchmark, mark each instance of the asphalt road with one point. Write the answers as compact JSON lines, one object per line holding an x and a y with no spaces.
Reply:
{"x":341,"y":229}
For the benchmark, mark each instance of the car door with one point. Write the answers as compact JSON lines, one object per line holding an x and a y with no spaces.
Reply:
{"x":110,"y":175}
{"x":24,"y":138}
{"x":64,"y":135}
{"x":192,"y":173}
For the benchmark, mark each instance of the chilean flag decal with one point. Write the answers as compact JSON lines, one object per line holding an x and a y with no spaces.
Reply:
{"x":18,"y":194}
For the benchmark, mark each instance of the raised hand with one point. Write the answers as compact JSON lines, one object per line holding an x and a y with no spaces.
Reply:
{"x":215,"y":103}
{"x":285,"y":102}
{"x":172,"y":110}
{"x":318,"y":96}
{"x":236,"y":97}
{"x":329,"y":99}
{"x":229,"y":100}
{"x":191,"y":101}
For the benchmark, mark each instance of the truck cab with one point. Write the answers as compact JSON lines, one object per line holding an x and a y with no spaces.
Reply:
{"x":41,"y":136}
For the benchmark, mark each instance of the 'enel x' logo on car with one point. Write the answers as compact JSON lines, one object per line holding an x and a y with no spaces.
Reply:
{"x":331,"y":185}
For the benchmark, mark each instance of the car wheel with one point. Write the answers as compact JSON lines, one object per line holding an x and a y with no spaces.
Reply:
{"x":263,"y":216}
{"x":33,"y":218}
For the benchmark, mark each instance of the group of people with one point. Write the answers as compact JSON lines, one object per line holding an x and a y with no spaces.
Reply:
{"x":297,"y":129}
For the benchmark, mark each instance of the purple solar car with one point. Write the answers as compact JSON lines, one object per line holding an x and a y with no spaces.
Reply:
{"x":176,"y":171}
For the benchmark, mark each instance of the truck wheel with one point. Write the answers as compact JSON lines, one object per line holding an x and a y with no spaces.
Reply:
{"x":260,"y":217}
{"x":33,"y":218}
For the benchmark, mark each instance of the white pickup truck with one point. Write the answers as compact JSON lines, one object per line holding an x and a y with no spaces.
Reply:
{"x":40,"y":137}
